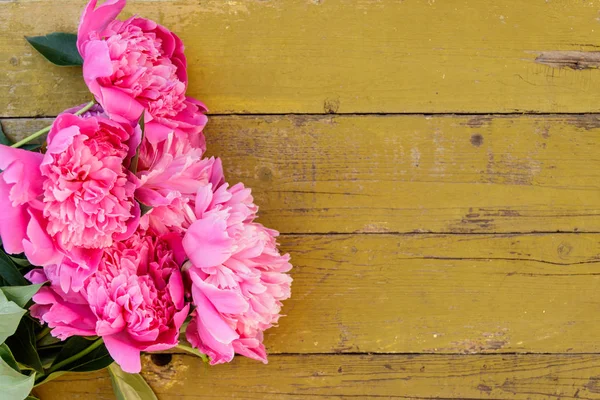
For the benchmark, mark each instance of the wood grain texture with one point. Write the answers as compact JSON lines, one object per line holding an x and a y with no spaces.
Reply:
{"x":282,"y":56}
{"x":441,"y":294}
{"x":356,"y":376}
{"x":455,"y":174}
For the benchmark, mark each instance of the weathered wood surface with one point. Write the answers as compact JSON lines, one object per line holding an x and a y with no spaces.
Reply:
{"x":418,"y":272}
{"x":357,"y":377}
{"x":300,"y":56}
{"x":441,"y":294}
{"x":456,"y":174}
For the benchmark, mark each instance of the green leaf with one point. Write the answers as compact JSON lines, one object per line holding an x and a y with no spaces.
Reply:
{"x":14,"y":385}
{"x":134,"y":161}
{"x":20,"y":294}
{"x":72,"y":347}
{"x":8,"y":357}
{"x":22,"y":343}
{"x":59,"y":48}
{"x":129,"y":386}
{"x":97,"y":359}
{"x":9,"y":271}
{"x":49,"y":341}
{"x":48,"y":355}
{"x":142,"y":124}
{"x":10,"y":315}
{"x":20,"y":262}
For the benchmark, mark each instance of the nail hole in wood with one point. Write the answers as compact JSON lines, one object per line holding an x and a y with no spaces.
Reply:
{"x":161,"y":359}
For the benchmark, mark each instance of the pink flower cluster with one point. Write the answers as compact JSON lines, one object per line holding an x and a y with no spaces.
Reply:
{"x":76,"y":211}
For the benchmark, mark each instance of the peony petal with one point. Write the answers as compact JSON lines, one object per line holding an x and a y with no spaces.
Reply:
{"x":134,"y":142}
{"x":151,"y":197}
{"x":217,"y":177}
{"x":180,"y":317}
{"x":118,"y":103}
{"x":13,"y":221}
{"x":204,"y":197}
{"x":174,"y":240}
{"x":36,"y":276}
{"x":197,"y":334}
{"x":123,"y":352}
{"x":31,"y":160}
{"x":21,"y":173}
{"x":251,"y":348}
{"x":38,"y":246}
{"x":97,"y":19}
{"x":201,"y":106}
{"x":176,"y":289}
{"x":132,"y":224}
{"x":96,"y":64}
{"x":156,"y":132}
{"x":60,"y":141}
{"x":207,"y":243}
{"x":226,"y":301}
{"x":211,"y":320}
{"x":90,"y":258}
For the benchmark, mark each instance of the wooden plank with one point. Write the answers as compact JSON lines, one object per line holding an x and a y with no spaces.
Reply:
{"x":356,"y":376}
{"x":441,"y":294}
{"x":457,"y":174}
{"x":451,"y":294}
{"x":388,"y":56}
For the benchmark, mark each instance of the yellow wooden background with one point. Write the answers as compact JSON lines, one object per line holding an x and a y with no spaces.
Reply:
{"x":433,"y":166}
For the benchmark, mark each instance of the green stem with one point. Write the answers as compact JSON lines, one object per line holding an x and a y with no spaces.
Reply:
{"x":77,"y":356}
{"x":193,"y":351}
{"x":30,"y":138}
{"x":47,"y":129}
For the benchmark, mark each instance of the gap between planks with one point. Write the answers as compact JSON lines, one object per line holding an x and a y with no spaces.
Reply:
{"x":516,"y":113}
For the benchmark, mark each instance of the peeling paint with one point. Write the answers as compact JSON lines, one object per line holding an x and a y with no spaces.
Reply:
{"x":577,"y":60}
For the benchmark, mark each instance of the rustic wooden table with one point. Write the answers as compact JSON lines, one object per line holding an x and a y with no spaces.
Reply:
{"x":433,"y":167}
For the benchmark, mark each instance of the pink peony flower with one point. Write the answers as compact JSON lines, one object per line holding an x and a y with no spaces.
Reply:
{"x":138,"y":296}
{"x":134,"y":301}
{"x":136,"y":65}
{"x":63,"y":207}
{"x":238,"y":276}
{"x":88,"y":192}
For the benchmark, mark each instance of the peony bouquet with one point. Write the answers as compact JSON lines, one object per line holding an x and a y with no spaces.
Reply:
{"x":118,"y":235}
